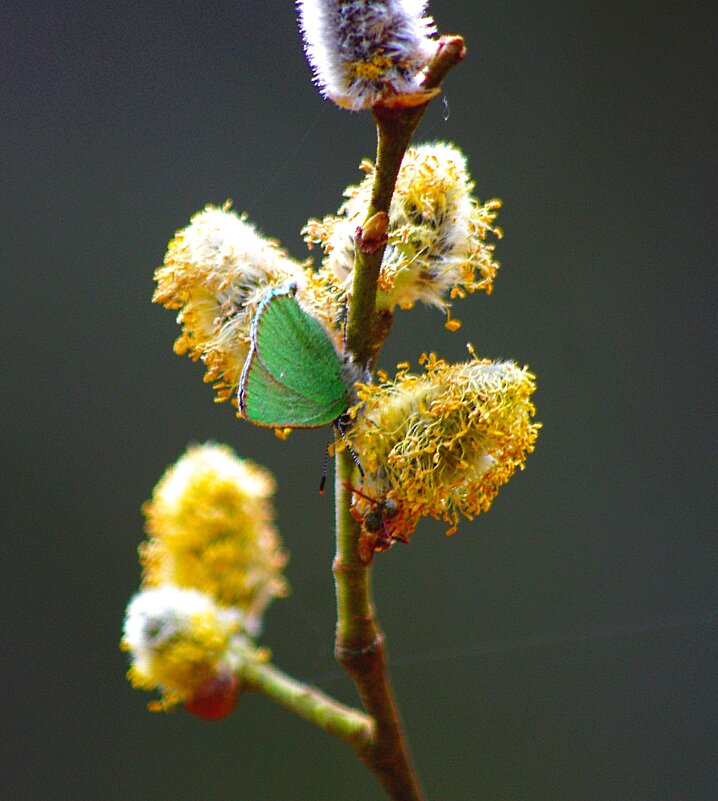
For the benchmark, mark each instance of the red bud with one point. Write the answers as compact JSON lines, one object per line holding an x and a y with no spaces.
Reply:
{"x":215,"y":699}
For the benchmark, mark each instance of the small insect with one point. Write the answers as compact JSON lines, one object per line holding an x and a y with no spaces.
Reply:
{"x":378,"y":534}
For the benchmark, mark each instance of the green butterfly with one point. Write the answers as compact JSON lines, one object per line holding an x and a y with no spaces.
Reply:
{"x":293,"y":376}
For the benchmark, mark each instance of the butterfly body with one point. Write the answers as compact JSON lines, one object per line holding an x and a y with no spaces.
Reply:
{"x":293,"y":376}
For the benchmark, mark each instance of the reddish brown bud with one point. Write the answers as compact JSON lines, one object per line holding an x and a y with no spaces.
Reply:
{"x":215,"y":699}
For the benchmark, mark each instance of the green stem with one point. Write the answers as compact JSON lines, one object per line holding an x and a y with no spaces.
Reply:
{"x":359,"y":649}
{"x":366,"y":330}
{"x":359,"y":645}
{"x":309,"y":703}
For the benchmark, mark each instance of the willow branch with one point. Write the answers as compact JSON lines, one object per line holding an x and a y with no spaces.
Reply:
{"x":395,"y":126}
{"x":309,"y":703}
{"x":359,"y":649}
{"x":359,"y":645}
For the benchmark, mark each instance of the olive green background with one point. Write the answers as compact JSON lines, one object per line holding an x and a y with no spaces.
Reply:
{"x":562,"y":647}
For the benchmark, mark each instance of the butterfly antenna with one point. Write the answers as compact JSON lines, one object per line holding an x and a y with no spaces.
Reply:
{"x":325,"y":467}
{"x":342,"y":431}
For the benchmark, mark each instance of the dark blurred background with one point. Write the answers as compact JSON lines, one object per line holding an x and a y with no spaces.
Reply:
{"x":564,"y":646}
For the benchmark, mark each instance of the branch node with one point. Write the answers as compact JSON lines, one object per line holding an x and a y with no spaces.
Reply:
{"x":373,"y":234}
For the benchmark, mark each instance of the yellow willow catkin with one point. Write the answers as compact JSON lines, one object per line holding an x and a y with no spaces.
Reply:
{"x":214,"y":271}
{"x":210,"y":527}
{"x":177,"y":640}
{"x":438,"y":246}
{"x":441,"y":444}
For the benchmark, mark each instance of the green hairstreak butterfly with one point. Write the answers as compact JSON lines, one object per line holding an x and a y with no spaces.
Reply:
{"x":293,"y":376}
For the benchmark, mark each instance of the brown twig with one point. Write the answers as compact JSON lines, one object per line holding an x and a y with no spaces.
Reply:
{"x":359,"y":646}
{"x":366,"y":330}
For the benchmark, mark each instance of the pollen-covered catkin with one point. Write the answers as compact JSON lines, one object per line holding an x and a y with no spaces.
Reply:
{"x":210,"y":526}
{"x":177,"y":640}
{"x":441,"y":444}
{"x":439,"y":236}
{"x":213,"y":272}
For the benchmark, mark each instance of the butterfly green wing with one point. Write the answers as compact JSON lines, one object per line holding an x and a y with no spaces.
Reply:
{"x":297,"y":351}
{"x":265,"y":402}
{"x":293,"y":377}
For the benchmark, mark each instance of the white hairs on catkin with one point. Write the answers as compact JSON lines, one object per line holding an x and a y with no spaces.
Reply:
{"x":364,"y":51}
